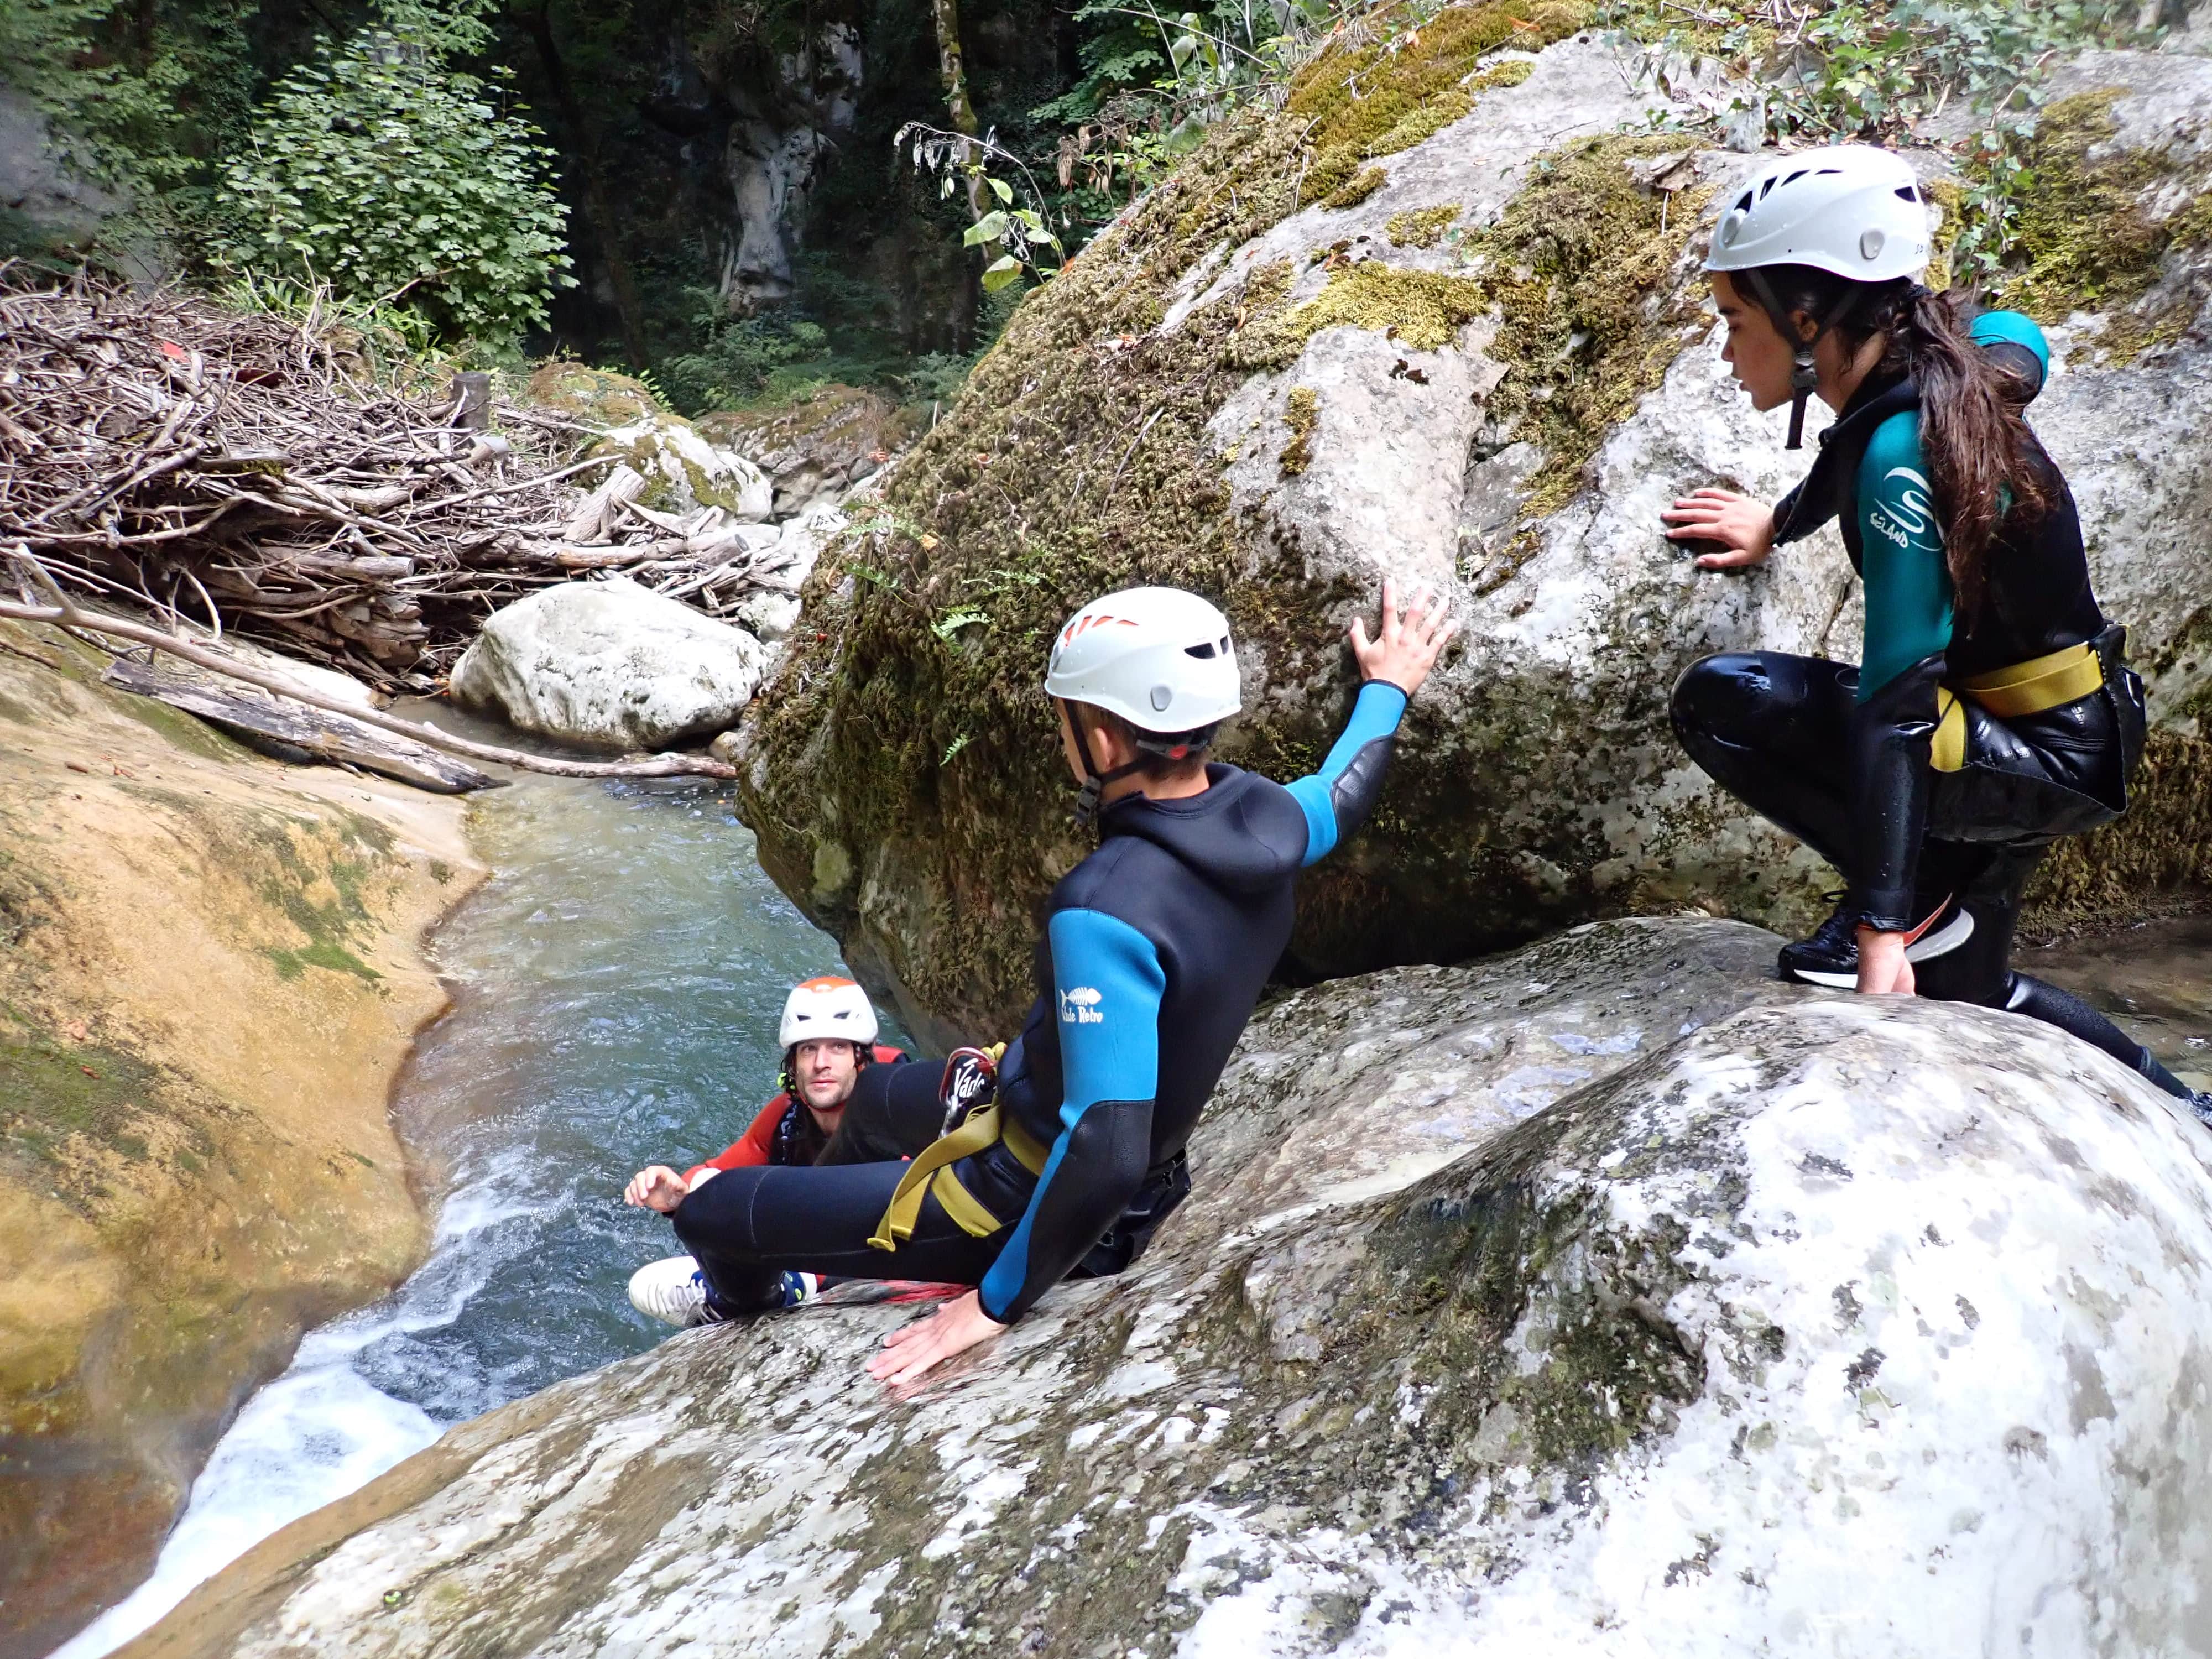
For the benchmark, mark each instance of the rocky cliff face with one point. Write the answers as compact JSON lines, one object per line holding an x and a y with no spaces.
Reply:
{"x":1603,"y":1298}
{"x":1451,"y":329}
{"x":208,"y":978}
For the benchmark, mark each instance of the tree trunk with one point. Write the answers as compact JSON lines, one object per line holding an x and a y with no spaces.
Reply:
{"x":948,"y":65}
{"x":585,"y":140}
{"x":947,"y":13}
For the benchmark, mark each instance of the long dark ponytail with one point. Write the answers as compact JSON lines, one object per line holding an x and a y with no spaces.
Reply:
{"x":1983,"y":463}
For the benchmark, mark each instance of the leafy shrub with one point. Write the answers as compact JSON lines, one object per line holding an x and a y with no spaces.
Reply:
{"x":382,"y":171}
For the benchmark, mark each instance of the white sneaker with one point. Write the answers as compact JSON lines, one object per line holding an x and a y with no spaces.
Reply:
{"x":672,"y":1291}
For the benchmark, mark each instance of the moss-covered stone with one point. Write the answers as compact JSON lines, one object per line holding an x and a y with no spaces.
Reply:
{"x":1420,"y":226}
{"x":1386,"y":95}
{"x":1302,"y":414}
{"x":2087,"y":227}
{"x":596,"y":397}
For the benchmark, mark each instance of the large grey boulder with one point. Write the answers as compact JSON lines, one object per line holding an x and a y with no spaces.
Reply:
{"x":1607,"y":1299}
{"x":609,"y":664}
{"x":1472,"y":348}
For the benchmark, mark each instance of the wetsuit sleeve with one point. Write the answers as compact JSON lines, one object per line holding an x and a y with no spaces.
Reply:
{"x":2015,"y":344}
{"x":1107,"y":983}
{"x":1337,"y":800}
{"x":754,"y":1147}
{"x":1795,"y":517}
{"x":1908,"y":628}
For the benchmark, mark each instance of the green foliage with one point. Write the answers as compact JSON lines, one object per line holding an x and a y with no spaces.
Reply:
{"x":386,"y":173}
{"x":745,"y":359}
{"x":140,"y":96}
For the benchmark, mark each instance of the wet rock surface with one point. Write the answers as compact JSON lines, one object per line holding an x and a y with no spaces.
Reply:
{"x":1471,"y":351}
{"x":609,"y":664}
{"x":1607,"y":1298}
{"x":209,"y":976}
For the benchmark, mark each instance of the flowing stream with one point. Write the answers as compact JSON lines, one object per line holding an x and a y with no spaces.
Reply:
{"x":617,"y":986}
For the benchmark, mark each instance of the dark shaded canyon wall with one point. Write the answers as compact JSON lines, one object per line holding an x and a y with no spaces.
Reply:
{"x":744,"y":151}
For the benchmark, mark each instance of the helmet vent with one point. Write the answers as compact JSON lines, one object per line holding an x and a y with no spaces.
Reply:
{"x":1203,"y":652}
{"x":1907,"y":193}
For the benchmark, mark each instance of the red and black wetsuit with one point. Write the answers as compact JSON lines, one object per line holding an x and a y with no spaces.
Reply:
{"x":783,"y":1132}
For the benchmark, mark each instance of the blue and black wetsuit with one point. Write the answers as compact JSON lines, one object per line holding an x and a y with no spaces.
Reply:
{"x":1154,"y":952}
{"x":1941,"y":798}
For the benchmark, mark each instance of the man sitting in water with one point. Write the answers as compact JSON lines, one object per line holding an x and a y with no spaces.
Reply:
{"x":1156,"y":949}
{"x":828,"y":1038}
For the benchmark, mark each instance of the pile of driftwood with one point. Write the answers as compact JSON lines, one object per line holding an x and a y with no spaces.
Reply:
{"x":246,"y":471}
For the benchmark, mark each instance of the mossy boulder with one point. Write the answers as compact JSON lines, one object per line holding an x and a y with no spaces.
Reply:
{"x":1607,"y":1299}
{"x":595,"y":397}
{"x":817,"y":448}
{"x":684,"y":471}
{"x":1489,"y":373}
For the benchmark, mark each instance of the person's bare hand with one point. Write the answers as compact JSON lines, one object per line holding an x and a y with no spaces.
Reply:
{"x":913,"y":1349}
{"x":1404,"y":649}
{"x":1884,"y":970}
{"x":1745,"y":527}
{"x":657,"y":1188}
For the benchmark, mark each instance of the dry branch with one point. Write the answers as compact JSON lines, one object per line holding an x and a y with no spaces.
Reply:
{"x":252,"y":474}
{"x":64,"y":613}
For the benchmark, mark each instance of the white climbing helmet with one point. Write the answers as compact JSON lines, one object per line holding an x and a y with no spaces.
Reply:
{"x":1851,"y":210}
{"x":1158,"y":657}
{"x":827,"y":1007}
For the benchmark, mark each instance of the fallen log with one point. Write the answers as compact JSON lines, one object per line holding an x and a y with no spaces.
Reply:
{"x":300,"y":731}
{"x":61,"y":611}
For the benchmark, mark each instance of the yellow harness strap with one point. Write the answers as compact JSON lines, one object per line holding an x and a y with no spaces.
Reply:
{"x":1946,"y":751}
{"x":931,"y":1172}
{"x":2040,"y":683}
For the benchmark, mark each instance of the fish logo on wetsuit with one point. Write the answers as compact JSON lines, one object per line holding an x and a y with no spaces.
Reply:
{"x":1080,"y":1007}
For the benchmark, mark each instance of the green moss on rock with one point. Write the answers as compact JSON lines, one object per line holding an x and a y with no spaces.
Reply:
{"x":596,"y":397}
{"x":1302,"y":414}
{"x":1387,"y":95}
{"x":1583,"y":266}
{"x":1420,"y":226}
{"x":2086,"y":227}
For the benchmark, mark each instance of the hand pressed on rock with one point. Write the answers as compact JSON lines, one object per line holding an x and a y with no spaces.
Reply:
{"x":1745,"y":527}
{"x":656,"y":1188}
{"x":913,"y":1349}
{"x":1405,"y":647}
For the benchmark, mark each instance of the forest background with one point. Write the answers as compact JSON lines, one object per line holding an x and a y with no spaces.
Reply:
{"x":741,"y":200}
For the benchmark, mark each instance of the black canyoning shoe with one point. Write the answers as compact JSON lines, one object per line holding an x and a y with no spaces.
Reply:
{"x":1831,"y":956}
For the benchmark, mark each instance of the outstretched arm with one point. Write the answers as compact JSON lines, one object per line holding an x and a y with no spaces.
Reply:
{"x":1337,"y":798}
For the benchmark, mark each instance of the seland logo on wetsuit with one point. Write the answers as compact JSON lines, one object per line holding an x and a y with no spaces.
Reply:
{"x":1901,"y":512}
{"x":1080,"y":1007}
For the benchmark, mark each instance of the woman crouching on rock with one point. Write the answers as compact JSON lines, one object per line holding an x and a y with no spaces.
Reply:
{"x":1991,"y":712}
{"x":1156,"y":949}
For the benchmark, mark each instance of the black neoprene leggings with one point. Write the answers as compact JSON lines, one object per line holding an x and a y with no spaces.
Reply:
{"x":1771,"y":729}
{"x":746,"y":1228}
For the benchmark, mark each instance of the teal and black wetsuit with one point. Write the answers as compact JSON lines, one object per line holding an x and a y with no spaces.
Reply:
{"x":1154,"y":952}
{"x":1944,"y":796}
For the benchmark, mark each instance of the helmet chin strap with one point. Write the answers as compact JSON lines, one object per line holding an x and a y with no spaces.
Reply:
{"x":1804,"y":376}
{"x":1094,"y":780}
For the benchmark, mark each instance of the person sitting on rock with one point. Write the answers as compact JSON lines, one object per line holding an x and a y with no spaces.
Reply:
{"x":1992,"y":711}
{"x":1069,"y":1151}
{"x":828,"y":1034}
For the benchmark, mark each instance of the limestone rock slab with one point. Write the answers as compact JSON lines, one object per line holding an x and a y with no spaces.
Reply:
{"x":1606,"y":1298}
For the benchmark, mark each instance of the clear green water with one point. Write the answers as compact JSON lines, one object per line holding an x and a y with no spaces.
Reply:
{"x":617,"y":986}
